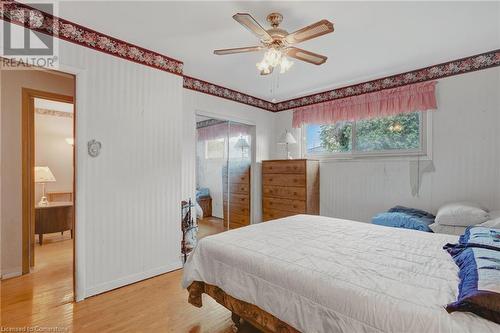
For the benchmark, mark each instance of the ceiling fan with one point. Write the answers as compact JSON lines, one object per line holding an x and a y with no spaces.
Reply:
{"x":278,"y":42}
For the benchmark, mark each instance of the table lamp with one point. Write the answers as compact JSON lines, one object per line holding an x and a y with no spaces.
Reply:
{"x":43,"y":175}
{"x":287,"y":138}
{"x":243,"y":144}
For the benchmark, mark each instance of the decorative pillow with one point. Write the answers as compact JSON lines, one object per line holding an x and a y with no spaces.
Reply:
{"x":479,"y":288}
{"x":447,"y":229}
{"x":461,"y":214}
{"x":483,"y":237}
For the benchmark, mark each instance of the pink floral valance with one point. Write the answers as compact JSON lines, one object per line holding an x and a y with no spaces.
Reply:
{"x":388,"y":102}
{"x":222,"y":130}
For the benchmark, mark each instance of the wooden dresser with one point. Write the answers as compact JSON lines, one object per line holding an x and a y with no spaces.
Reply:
{"x":239,"y":194}
{"x":289,"y":187}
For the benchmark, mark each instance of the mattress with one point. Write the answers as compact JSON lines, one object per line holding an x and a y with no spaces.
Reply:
{"x":320,"y":274}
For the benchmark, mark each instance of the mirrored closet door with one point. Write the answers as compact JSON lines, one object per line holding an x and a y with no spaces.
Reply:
{"x":223,"y":174}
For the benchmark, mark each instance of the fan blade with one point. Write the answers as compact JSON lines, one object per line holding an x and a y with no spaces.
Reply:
{"x":238,"y":50}
{"x":310,"y":57}
{"x":314,"y":30}
{"x":253,"y":26}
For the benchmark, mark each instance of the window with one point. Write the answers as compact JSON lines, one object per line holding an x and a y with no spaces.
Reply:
{"x":401,"y":134}
{"x":214,"y":149}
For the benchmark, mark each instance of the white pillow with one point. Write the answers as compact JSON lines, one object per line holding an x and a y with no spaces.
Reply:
{"x":494,"y":214}
{"x":461,"y":214}
{"x":495,"y":223}
{"x":447,"y":229}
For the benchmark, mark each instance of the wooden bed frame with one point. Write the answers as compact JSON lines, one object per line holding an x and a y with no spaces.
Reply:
{"x":254,"y":315}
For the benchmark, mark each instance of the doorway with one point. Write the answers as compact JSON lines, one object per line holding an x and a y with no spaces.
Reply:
{"x":48,"y":188}
{"x":223,"y":174}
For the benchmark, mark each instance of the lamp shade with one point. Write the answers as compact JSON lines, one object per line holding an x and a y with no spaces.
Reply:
{"x":287,"y":137}
{"x":242,"y":143}
{"x":43,"y":175}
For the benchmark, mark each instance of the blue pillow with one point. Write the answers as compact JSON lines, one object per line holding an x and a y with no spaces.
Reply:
{"x":402,"y":220}
{"x":412,"y":211}
{"x":479,"y":288}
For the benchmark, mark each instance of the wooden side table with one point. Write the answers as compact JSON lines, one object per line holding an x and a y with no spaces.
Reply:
{"x":206,"y":205}
{"x":55,"y":217}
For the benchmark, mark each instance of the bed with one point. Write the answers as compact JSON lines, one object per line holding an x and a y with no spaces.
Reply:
{"x":318,"y":274}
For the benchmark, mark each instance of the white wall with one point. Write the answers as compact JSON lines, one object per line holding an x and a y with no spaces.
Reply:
{"x":216,"y":107}
{"x":52,"y":150}
{"x":465,"y":150}
{"x":130,"y":194}
{"x":128,"y":198}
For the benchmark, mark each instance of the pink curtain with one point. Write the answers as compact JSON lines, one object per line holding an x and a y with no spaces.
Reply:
{"x":219,"y":131}
{"x":388,"y":102}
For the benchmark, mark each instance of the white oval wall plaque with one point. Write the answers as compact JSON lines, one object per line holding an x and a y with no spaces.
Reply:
{"x":94,"y":148}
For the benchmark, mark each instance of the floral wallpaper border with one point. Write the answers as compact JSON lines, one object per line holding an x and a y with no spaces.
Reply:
{"x":40,"y":21}
{"x":450,"y":68}
{"x":455,"y":67}
{"x":233,"y":95}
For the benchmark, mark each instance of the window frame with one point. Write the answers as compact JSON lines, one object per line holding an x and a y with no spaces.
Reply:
{"x":223,"y":141}
{"x":425,"y":151}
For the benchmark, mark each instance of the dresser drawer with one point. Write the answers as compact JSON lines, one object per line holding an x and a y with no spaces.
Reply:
{"x":241,"y":208}
{"x":284,"y":167}
{"x":238,"y":188}
{"x":237,"y":178}
{"x":296,"y":206}
{"x":284,"y":179}
{"x":297,"y":193}
{"x":238,"y":200}
{"x":239,"y":219}
{"x":273,"y":214}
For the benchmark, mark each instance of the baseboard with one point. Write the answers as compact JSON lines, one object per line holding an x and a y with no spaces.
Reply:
{"x":107,"y":286}
{"x":12,"y":273}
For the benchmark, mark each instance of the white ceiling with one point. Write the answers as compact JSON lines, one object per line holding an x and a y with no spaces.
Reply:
{"x":371,"y":39}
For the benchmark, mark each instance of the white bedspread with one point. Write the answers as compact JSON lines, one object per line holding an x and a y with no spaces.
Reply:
{"x":320,"y":274}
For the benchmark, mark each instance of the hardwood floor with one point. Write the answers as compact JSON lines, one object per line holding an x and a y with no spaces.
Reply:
{"x":210,"y":226}
{"x":43,"y":298}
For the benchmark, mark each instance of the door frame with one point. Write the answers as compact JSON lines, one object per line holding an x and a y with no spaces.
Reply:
{"x":28,"y":172}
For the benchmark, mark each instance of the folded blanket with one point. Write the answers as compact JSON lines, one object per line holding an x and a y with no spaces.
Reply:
{"x":202,"y":192}
{"x":478,"y":256}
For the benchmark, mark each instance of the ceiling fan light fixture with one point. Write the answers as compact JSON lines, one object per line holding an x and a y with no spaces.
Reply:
{"x":285,"y":65}
{"x":262,"y":66}
{"x":278,"y":42}
{"x":273,"y":57}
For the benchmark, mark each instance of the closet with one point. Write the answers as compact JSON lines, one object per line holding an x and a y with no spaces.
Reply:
{"x":223,"y":174}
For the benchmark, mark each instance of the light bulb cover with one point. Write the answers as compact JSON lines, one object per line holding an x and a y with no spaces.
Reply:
{"x":285,"y":65}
